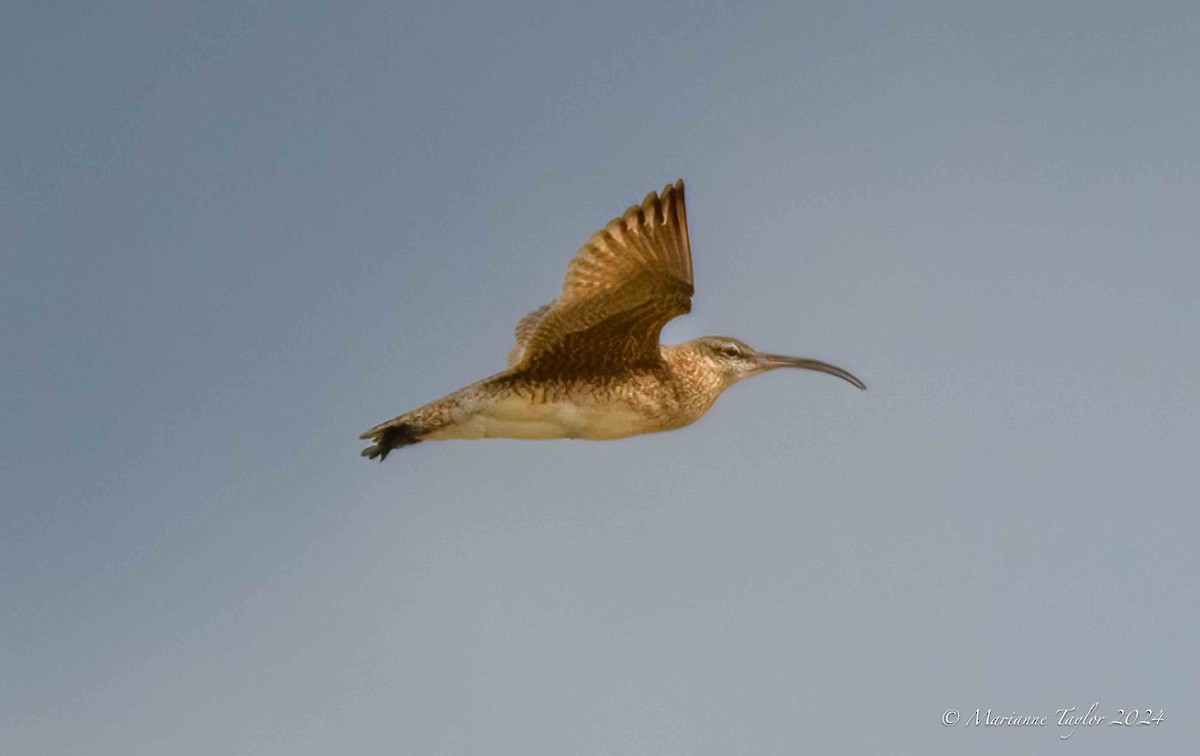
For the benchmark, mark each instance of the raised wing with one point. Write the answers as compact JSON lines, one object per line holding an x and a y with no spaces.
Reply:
{"x":623,"y":286}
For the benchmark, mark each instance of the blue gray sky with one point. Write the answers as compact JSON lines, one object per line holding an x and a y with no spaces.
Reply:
{"x":235,"y":235}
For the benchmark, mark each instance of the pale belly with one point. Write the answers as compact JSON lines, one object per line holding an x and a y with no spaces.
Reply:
{"x":518,"y":417}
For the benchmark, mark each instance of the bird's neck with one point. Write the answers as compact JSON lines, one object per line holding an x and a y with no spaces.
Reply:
{"x":698,"y":383}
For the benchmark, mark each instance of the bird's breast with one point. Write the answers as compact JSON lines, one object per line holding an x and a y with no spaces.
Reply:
{"x":519,"y":417}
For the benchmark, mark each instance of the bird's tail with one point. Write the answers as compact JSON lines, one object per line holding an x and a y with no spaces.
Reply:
{"x":393,"y":434}
{"x":437,"y":419}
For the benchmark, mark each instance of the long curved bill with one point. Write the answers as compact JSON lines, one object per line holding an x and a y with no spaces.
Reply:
{"x":772,"y":361}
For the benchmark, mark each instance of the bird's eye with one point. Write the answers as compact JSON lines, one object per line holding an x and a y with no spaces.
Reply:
{"x":731,"y":350}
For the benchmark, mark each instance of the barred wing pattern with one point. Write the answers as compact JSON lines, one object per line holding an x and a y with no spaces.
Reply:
{"x":621,"y":288}
{"x":524,"y":329}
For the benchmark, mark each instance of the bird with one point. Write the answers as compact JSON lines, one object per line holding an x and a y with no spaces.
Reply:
{"x":589,"y":365}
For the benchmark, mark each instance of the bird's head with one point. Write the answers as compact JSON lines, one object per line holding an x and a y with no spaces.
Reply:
{"x":734,"y":360}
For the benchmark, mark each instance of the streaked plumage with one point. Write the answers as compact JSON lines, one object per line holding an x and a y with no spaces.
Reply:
{"x":589,"y":364}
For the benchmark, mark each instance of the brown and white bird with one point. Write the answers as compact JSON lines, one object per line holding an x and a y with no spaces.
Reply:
{"x":589,"y":364}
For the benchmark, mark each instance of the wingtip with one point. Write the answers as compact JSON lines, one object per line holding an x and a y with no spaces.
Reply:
{"x":667,"y":191}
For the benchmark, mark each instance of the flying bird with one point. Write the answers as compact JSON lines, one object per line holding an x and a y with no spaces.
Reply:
{"x":589,"y":364}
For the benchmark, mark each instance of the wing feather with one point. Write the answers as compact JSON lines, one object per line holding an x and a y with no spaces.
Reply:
{"x":526,"y":327}
{"x":621,"y":288}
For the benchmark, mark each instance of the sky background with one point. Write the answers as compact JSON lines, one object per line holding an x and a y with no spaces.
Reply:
{"x":234,"y":235}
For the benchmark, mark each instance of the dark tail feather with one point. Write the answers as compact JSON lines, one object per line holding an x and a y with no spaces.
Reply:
{"x":390,"y":437}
